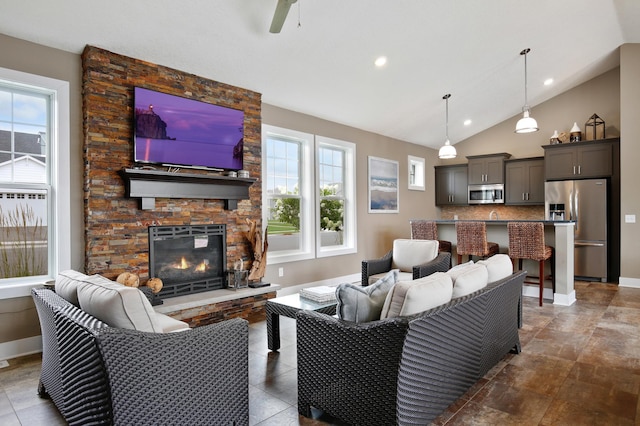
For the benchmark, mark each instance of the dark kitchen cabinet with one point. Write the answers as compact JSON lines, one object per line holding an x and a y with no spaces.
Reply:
{"x":524,"y":181}
{"x":579,"y":160}
{"x":451,"y":185}
{"x":487,"y":169}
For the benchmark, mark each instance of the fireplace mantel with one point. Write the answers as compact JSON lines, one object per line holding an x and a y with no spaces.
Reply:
{"x":151,"y":184}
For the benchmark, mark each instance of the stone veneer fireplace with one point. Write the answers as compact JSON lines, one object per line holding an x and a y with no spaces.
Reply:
{"x":116,"y":227}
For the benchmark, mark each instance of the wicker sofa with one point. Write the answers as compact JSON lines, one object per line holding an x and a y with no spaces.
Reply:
{"x":405,"y":370}
{"x":100,"y":374}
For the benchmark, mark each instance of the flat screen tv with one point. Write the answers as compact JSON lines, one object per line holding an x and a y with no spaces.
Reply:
{"x":176,"y":131}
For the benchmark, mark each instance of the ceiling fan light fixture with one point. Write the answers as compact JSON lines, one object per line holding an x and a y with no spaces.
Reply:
{"x":447,"y":151}
{"x":526,"y":124}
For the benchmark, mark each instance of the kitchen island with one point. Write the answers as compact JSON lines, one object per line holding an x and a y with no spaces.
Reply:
{"x":558,"y":234}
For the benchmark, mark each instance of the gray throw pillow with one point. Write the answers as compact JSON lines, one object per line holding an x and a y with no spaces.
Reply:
{"x":362,"y":304}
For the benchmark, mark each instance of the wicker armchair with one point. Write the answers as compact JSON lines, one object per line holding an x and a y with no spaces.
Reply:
{"x":526,"y":241}
{"x":96,"y":374}
{"x":405,"y":370}
{"x":428,"y":230}
{"x":370,"y":267}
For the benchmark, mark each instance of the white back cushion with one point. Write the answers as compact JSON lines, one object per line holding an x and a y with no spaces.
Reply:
{"x":412,"y":297}
{"x":410,"y":253}
{"x":468,"y":279}
{"x":499,"y":266}
{"x":117,"y":305}
{"x":67,"y":285}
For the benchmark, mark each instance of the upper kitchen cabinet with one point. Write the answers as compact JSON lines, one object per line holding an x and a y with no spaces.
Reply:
{"x":579,"y":160}
{"x":485,"y":169}
{"x":451,"y":185}
{"x":524,"y":181}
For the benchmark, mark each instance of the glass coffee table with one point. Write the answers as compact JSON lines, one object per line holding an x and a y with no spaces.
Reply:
{"x":289,"y":307}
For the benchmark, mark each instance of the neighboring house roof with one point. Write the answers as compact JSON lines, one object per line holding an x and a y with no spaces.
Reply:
{"x":25,"y":143}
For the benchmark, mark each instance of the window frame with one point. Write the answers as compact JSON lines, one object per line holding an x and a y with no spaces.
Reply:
{"x":305,"y":188}
{"x":59,"y":200}
{"x":349,"y":236}
{"x":309,"y":191}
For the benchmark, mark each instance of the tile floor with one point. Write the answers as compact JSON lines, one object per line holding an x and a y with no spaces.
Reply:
{"x":580,"y":365}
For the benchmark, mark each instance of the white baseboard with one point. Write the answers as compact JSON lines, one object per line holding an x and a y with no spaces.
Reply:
{"x":629,"y":282}
{"x":558,"y":299}
{"x":16,"y":348}
{"x":564,"y":299}
{"x":353,"y":278}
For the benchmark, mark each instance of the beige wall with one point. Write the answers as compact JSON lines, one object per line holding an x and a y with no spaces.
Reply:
{"x":600,"y":95}
{"x":629,"y":160}
{"x":32,"y":58}
{"x":375,"y":231}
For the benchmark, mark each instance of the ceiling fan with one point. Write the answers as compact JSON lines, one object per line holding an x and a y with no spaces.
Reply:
{"x":282,"y":9}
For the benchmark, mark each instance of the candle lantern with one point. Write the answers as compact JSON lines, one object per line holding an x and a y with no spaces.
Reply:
{"x":594,"y":128}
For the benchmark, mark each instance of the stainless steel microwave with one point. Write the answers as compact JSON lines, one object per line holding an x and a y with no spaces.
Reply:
{"x":486,"y":194}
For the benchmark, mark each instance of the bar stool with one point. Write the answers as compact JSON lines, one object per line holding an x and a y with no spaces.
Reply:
{"x":526,"y":241}
{"x":427,"y":230}
{"x":472,"y":240}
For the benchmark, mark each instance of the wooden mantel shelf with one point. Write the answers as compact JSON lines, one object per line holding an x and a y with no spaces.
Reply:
{"x":151,"y":184}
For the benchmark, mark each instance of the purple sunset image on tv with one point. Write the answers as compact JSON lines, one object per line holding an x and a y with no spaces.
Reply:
{"x":176,"y":131}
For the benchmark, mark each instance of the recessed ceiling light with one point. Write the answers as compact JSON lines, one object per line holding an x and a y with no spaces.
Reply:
{"x":548,"y":82}
{"x":381,"y":61}
{"x":467,"y":122}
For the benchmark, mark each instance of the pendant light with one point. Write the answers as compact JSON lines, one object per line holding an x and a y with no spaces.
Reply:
{"x":447,"y":150}
{"x":526,"y":124}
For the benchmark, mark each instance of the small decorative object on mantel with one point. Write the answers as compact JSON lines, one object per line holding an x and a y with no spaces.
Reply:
{"x":594,"y":128}
{"x":576,"y":134}
{"x":563,"y":137}
{"x":259,"y":254}
{"x":554,"y":138}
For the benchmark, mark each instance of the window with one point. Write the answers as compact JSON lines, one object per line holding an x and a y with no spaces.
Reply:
{"x":336,"y":188}
{"x":416,"y":173}
{"x":287,"y":195}
{"x":34,"y":140}
{"x":306,"y":205}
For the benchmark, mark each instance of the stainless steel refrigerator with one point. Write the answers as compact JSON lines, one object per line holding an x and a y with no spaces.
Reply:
{"x":585,"y":202}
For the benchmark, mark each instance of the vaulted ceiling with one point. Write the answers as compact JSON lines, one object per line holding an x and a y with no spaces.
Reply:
{"x":322,"y":62}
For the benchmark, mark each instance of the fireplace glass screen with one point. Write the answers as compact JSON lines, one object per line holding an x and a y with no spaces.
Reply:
{"x":188,"y":259}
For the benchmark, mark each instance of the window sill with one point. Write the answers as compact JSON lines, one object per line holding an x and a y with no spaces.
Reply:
{"x":11,"y":290}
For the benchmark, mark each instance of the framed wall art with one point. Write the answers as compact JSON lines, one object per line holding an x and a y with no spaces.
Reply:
{"x":383,"y":185}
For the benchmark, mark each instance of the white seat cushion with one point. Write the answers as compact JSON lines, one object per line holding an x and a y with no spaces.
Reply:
{"x":499,"y":266}
{"x":412,"y":297}
{"x":402,"y":276}
{"x":117,"y":305}
{"x":169,"y":325}
{"x":410,"y":253}
{"x":468,"y":279}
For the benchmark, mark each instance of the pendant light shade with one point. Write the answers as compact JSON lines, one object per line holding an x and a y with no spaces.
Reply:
{"x":526,"y":124}
{"x":447,"y":150}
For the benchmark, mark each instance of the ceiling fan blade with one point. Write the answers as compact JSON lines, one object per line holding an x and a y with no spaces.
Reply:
{"x":282,"y":9}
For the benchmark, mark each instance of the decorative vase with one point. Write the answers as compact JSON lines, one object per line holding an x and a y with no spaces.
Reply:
{"x":576,"y":134}
{"x":554,"y":138}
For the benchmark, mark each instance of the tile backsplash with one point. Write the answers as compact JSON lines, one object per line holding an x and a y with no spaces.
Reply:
{"x":481,"y":212}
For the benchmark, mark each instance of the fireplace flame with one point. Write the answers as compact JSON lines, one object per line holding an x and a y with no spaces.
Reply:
{"x":183,"y":264}
{"x":202,"y":267}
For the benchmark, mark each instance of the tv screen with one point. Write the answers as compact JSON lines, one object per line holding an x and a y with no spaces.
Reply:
{"x":176,"y":131}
